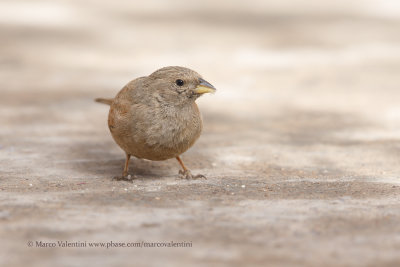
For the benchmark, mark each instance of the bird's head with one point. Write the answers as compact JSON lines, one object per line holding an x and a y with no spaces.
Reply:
{"x":178,"y":85}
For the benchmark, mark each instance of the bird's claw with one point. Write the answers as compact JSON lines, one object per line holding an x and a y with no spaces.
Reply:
{"x":186,"y":174}
{"x":126,"y":178}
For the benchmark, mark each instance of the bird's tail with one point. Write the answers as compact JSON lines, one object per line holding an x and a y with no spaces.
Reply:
{"x":106,"y":101}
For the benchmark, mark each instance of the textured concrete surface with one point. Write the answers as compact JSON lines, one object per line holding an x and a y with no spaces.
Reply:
{"x":300,"y":146}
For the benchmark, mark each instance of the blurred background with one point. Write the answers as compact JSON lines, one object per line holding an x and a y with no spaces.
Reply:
{"x":306,"y":117}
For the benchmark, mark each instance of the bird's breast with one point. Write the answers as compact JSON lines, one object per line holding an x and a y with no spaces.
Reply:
{"x":174,"y":128}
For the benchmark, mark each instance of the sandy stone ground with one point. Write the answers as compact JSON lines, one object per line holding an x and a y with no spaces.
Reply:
{"x":300,"y":145}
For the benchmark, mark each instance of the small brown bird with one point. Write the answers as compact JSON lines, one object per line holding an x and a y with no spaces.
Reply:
{"x":156,"y":117}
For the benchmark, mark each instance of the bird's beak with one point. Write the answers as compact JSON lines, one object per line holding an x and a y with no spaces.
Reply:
{"x":204,"y":87}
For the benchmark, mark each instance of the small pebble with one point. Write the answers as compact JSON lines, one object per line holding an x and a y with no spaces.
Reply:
{"x":126,"y":189}
{"x":243,"y":186}
{"x":30,"y":184}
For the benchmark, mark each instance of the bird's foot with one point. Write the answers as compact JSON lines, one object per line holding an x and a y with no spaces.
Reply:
{"x":126,"y":178}
{"x":186,"y":174}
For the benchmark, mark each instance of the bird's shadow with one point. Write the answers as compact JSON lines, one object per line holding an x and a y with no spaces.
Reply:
{"x":107,"y":160}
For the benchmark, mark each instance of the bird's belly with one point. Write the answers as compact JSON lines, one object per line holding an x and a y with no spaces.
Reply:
{"x":164,"y":145}
{"x":159,"y":141}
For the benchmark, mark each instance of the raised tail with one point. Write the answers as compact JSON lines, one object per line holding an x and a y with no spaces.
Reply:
{"x":106,"y":101}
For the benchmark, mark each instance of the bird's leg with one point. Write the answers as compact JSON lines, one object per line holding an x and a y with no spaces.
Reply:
{"x":185,"y":173}
{"x":125,"y":176}
{"x":128,"y":157}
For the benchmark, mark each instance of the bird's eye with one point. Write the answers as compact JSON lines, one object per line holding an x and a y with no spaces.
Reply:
{"x":179,"y":82}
